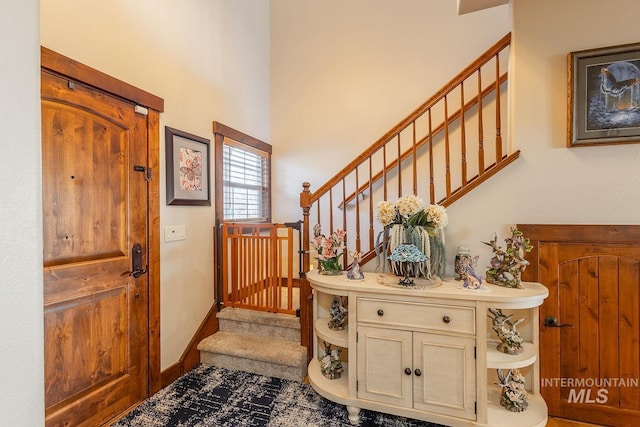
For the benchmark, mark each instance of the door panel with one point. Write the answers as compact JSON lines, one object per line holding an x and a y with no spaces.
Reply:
{"x":447,"y":383}
{"x":383,"y":356}
{"x":589,"y":367}
{"x":94,"y":210}
{"x":77,"y":141}
{"x":71,"y":330}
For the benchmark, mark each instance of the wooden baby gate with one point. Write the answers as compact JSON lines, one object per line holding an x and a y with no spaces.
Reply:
{"x":257,"y":264}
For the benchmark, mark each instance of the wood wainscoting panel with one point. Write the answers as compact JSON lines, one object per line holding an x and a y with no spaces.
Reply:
{"x":590,"y":358}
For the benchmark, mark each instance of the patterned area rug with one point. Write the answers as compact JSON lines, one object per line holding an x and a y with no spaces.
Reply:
{"x":213,"y":396}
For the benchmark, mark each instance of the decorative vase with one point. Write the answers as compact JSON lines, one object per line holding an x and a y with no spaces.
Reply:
{"x":431,"y":246}
{"x":463,"y":257}
{"x":330,"y":267}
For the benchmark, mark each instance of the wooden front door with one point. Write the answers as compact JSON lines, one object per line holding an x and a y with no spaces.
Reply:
{"x":590,"y":324}
{"x":94,"y":158}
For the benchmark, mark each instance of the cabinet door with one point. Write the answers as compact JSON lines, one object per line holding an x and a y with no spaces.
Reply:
{"x":383,"y":357}
{"x":447,"y":381}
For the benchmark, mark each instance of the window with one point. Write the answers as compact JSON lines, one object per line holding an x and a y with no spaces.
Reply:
{"x":243,"y":177}
{"x":246,"y":184}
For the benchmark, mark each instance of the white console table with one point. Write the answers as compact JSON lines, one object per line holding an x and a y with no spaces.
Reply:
{"x":428,"y":354}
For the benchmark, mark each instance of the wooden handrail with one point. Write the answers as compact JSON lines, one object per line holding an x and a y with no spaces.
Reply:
{"x":429,"y":159}
{"x":450,"y":86}
{"x":420,"y":143}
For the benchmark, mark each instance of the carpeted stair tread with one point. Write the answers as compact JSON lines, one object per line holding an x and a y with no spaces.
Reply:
{"x":281,"y":352}
{"x":260,"y":323}
{"x":253,"y":316}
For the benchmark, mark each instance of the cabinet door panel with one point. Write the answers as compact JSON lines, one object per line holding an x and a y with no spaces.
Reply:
{"x":447,"y":382}
{"x":383,"y":356}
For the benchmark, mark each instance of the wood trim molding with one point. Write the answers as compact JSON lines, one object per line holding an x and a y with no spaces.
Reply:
{"x":582,"y":233}
{"x":67,"y":67}
{"x":573,"y":233}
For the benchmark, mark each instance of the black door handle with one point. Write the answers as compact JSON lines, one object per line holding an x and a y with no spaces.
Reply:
{"x":552,"y":322}
{"x":136,"y":261}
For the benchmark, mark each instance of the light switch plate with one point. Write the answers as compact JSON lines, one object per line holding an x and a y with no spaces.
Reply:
{"x":174,"y":232}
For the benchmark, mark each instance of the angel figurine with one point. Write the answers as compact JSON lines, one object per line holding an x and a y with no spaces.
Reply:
{"x":355,"y":273}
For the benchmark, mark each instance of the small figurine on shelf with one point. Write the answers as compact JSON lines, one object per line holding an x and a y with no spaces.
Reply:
{"x":338,"y":311}
{"x":510,"y":339}
{"x":468,"y":274}
{"x":330,"y":363}
{"x":355,"y":273}
{"x":513,"y":396}
{"x":507,"y":265}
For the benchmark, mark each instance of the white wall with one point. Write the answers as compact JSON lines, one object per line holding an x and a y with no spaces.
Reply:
{"x":551,"y":183}
{"x":209,"y":60}
{"x":343,"y":73}
{"x":21,"y":318}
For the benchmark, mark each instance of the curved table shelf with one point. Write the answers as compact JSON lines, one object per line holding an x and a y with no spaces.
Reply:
{"x":535,"y":415}
{"x":339,"y":338}
{"x":498,"y":360}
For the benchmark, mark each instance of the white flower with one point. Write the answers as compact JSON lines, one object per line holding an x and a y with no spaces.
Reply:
{"x":386,"y":213}
{"x":409,"y":204}
{"x":438,"y":216}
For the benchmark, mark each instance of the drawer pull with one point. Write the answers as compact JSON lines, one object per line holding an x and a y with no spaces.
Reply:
{"x":407,"y":371}
{"x":446,"y":319}
{"x":418,"y":372}
{"x":380,"y":312}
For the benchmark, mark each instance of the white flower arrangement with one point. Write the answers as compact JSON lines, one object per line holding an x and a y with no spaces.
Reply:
{"x":408,"y":220}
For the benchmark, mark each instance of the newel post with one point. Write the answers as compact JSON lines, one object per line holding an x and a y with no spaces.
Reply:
{"x":306,"y":297}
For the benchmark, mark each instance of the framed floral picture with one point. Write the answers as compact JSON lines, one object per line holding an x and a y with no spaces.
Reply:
{"x":604,"y":96}
{"x":187,"y":161}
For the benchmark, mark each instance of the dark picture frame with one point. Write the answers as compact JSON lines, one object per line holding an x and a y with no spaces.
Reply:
{"x":604,"y":96}
{"x":188,"y":168}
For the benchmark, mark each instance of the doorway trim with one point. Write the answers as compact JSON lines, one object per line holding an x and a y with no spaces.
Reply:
{"x":66,"y":67}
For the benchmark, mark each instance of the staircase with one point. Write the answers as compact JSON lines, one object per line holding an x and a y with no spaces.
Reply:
{"x":258,"y":342}
{"x":442,"y":151}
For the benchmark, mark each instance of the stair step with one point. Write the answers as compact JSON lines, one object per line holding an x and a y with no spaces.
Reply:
{"x":251,"y":322}
{"x":266,"y":356}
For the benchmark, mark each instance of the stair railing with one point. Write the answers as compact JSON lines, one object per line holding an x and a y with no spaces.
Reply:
{"x":437,"y":152}
{"x":257,"y":267}
{"x":417,"y":156}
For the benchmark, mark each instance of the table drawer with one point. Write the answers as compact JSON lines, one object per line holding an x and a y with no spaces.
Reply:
{"x":439,"y":317}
